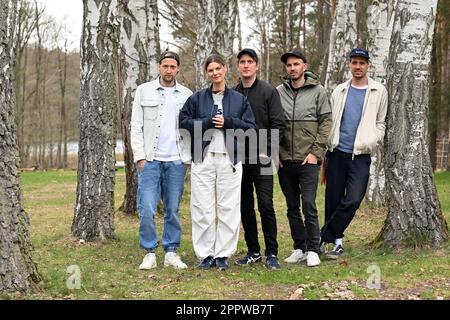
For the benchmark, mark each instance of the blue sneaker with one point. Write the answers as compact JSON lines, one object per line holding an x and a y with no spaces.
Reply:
{"x":272,"y":262}
{"x":250,"y":258}
{"x":207,"y":263}
{"x":222,"y":264}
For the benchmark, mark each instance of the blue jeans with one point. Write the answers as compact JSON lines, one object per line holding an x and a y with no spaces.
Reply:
{"x":160,"y":178}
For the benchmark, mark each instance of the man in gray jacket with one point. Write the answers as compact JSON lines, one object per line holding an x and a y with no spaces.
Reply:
{"x":308,"y":123}
{"x":159,"y":154}
{"x":359,"y":108}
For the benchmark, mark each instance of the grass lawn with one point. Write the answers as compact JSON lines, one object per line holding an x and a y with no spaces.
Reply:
{"x":110,"y":270}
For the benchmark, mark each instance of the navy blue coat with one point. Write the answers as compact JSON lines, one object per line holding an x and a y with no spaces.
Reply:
{"x":237,"y":113}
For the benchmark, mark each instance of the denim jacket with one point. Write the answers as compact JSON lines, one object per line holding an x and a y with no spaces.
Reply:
{"x":146,"y":119}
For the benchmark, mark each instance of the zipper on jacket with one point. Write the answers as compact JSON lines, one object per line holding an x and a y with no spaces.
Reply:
{"x":293,"y":123}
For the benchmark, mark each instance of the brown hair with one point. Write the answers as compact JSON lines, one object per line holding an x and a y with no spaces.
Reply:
{"x":214,"y":57}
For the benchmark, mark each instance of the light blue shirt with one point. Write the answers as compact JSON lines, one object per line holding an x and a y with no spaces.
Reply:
{"x":350,"y":118}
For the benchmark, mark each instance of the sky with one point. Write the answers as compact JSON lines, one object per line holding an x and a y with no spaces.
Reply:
{"x":70,"y":14}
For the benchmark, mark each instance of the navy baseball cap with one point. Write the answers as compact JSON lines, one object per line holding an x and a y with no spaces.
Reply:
{"x":250,"y":52}
{"x":359,"y":52}
{"x":293,"y":53}
{"x":170,"y":55}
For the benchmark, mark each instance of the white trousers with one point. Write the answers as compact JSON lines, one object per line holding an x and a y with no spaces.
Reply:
{"x":215,"y":177}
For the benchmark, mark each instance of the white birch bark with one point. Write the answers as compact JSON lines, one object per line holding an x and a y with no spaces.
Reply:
{"x":342,"y":40}
{"x":216,"y":32}
{"x":139,"y":53}
{"x":18,"y":273}
{"x":414,"y":213}
{"x":204,"y":44}
{"x":94,"y":210}
{"x":379,"y":24}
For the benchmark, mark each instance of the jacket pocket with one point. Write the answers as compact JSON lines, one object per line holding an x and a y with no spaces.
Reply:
{"x":150,"y":109}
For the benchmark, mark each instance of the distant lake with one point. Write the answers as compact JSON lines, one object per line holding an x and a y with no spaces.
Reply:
{"x":72,"y":147}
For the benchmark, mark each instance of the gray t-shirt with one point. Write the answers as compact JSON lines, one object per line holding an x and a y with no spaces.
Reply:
{"x":350,"y":118}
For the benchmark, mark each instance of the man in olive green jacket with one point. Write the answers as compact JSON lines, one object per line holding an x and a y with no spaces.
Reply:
{"x":308,"y":123}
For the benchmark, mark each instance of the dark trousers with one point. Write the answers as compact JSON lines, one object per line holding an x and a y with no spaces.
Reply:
{"x":346,"y":186}
{"x":297,"y":180}
{"x":252,"y":179}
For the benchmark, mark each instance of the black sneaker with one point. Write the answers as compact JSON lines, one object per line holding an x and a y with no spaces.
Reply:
{"x":337,"y":251}
{"x":207,"y":263}
{"x":250,"y":258}
{"x":272,"y":262}
{"x":222,"y":264}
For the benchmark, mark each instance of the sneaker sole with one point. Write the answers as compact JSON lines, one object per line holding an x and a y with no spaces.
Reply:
{"x":332,"y":257}
{"x":175,"y":267}
{"x":247,"y":264}
{"x":147,"y":268}
{"x":298,"y":261}
{"x":221,"y":269}
{"x":269,"y":268}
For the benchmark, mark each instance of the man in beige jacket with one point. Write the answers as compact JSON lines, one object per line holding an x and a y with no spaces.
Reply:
{"x":359,"y":108}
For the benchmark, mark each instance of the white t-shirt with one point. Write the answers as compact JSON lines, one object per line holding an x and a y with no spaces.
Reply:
{"x":167,"y":141}
{"x":217,"y":144}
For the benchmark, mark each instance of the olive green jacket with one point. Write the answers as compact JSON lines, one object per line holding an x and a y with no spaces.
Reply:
{"x":308,"y":119}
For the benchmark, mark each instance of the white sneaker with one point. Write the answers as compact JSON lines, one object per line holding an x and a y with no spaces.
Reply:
{"x":149,"y":261}
{"x":296,"y":256}
{"x":312,"y":259}
{"x":173,"y":260}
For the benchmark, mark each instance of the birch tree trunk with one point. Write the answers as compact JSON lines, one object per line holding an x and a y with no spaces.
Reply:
{"x":18,"y":273}
{"x":216,"y":32}
{"x":414,"y":212}
{"x":374,"y":21}
{"x":204,"y":44}
{"x":139,"y":42}
{"x":326,"y":8}
{"x":342,"y":40}
{"x":94,"y":211}
{"x":380,"y":21}
{"x":226,"y":30}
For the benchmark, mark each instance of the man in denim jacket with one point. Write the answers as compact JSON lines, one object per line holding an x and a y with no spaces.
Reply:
{"x":159,"y":154}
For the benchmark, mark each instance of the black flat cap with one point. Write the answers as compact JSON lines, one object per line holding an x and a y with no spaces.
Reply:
{"x":250,"y":52}
{"x":293,"y":53}
{"x":170,"y":55}
{"x":359,"y":52}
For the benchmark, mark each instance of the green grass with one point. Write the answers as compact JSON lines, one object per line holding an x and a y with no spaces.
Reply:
{"x":109,"y":270}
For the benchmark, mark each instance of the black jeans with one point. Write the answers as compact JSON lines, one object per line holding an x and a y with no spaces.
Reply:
{"x":263,"y":184}
{"x":297,"y":180}
{"x":347,"y":180}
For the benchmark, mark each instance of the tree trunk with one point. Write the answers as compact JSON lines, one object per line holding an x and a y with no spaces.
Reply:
{"x":216,"y":28}
{"x":326,"y":20}
{"x":138,"y":63}
{"x":342,"y":39}
{"x":414,"y":213}
{"x":374,"y":20}
{"x":18,"y":273}
{"x":380,"y":20}
{"x":62,"y":140}
{"x":204,"y":44}
{"x":94,"y":211}
{"x":442,"y":83}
